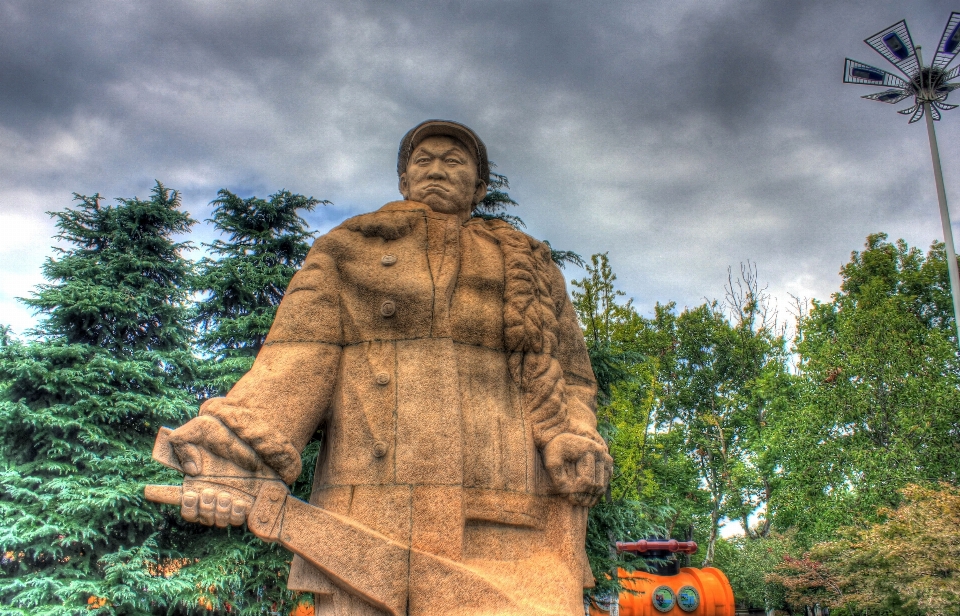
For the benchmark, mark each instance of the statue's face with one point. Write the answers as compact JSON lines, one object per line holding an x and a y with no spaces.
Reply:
{"x":442,"y":173}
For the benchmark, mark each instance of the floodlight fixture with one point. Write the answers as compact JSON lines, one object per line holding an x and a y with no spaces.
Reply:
{"x":929,"y":86}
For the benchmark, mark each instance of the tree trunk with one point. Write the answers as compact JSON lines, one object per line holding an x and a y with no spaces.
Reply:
{"x":712,"y":541}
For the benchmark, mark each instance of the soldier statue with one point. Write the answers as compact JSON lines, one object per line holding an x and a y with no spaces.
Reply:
{"x":439,"y":354}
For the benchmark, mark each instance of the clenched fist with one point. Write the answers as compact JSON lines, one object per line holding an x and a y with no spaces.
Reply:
{"x":579,"y":467}
{"x":214,"y":508}
{"x":208,"y":434}
{"x":222,"y":474}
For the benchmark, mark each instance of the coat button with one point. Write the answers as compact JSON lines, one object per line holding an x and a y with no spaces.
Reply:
{"x":388,"y":259}
{"x":379,"y":449}
{"x":388,"y":308}
{"x":383,"y":378}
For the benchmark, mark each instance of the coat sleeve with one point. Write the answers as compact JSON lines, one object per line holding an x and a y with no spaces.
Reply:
{"x":580,"y":385}
{"x":277,"y":406}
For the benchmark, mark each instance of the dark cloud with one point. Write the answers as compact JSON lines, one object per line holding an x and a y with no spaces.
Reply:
{"x":682,"y":137}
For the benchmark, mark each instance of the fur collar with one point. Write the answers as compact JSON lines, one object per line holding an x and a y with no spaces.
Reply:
{"x":391,"y":222}
{"x":398,"y":218}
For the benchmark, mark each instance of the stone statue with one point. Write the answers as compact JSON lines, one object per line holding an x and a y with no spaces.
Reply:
{"x":441,"y":357}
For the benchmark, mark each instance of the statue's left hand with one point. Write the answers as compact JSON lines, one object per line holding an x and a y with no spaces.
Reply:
{"x":579,"y":467}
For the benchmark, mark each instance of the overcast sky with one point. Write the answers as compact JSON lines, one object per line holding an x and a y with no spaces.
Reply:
{"x":682,"y":137}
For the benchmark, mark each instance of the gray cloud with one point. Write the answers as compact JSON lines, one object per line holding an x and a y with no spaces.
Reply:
{"x":681,"y":137}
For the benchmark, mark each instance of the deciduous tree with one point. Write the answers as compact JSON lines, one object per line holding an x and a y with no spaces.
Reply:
{"x":880,"y":396}
{"x":908,"y":563}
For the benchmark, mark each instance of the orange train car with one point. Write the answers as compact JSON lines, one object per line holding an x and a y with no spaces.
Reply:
{"x":669,"y":590}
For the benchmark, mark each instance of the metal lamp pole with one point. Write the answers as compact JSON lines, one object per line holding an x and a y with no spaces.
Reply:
{"x":944,"y":212}
{"x":929,"y":86}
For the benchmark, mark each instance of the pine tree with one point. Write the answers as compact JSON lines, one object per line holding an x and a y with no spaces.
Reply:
{"x":242,"y":284}
{"x":497,"y":200}
{"x":267,"y":242}
{"x":80,"y":407}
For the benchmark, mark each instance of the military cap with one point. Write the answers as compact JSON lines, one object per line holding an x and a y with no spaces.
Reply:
{"x":444,"y":128}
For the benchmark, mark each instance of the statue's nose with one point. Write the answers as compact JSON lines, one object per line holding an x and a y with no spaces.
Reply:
{"x":436,"y":170}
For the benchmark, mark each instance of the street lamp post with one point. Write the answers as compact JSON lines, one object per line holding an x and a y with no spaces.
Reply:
{"x":929,"y":87}
{"x":944,"y":212}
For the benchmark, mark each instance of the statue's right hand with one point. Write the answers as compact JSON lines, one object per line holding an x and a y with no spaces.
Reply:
{"x":222,"y":474}
{"x":209,"y":433}
{"x":212,"y":506}
{"x":203,"y":501}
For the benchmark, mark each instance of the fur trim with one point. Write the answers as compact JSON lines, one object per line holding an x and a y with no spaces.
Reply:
{"x":276,"y":452}
{"x":531,"y":331}
{"x":388,"y":225}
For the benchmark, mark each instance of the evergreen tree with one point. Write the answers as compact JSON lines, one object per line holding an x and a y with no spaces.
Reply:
{"x":266,"y":243}
{"x":80,"y":408}
{"x":497,"y":200}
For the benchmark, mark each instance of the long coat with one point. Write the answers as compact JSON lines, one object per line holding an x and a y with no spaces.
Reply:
{"x":391,"y":340}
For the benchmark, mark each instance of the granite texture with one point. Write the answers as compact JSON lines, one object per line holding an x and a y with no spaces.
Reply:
{"x":441,"y":357}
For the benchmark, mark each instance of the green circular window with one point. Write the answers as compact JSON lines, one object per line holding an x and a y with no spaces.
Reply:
{"x":688,"y":599}
{"x":663,"y":599}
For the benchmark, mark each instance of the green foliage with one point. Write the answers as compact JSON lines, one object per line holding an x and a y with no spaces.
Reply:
{"x":267,"y":242}
{"x":623,"y":514}
{"x":602,"y":318}
{"x":748,"y":563}
{"x":230,"y":571}
{"x":121,"y":284}
{"x":497,"y":200}
{"x":729,"y":382}
{"x":5,"y":335}
{"x":563,"y":257}
{"x":80,"y":408}
{"x":613,"y":520}
{"x":242,"y":285}
{"x":880,"y":400}
{"x":702,"y":413}
{"x":908,"y":563}
{"x":686,"y":404}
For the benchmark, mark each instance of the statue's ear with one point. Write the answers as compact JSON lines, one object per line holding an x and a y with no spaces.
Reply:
{"x":480,"y":193}
{"x":404,"y":186}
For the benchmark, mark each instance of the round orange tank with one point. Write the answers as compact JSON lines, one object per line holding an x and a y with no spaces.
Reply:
{"x":707,"y":588}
